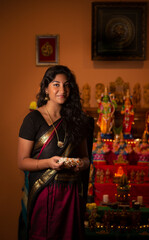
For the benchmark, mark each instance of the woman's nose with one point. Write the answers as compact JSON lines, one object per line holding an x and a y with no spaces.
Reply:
{"x":62,"y":88}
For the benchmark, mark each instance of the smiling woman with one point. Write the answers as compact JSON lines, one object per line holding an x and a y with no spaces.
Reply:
{"x":58,"y":128}
{"x":58,"y":89}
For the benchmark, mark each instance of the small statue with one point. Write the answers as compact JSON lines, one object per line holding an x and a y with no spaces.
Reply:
{"x":132,"y":176}
{"x":137,"y":177}
{"x":142,"y":174}
{"x":137,"y":148}
{"x":105,"y":148}
{"x":144,"y":145}
{"x":86,"y":95}
{"x":101,"y":176}
{"x":121,"y":159}
{"x":128,"y":112}
{"x":107,"y":175}
{"x":122,"y":145}
{"x":98,"y":176}
{"x":99,"y":91}
{"x":146,"y":130}
{"x":146,"y":94}
{"x":106,"y":111}
{"x":128,"y":148}
{"x":136,"y":94}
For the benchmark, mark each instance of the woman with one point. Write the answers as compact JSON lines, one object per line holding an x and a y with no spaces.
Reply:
{"x":56,"y":129}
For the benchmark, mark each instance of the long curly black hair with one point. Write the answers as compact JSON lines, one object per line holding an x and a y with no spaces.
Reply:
{"x":74,"y":119}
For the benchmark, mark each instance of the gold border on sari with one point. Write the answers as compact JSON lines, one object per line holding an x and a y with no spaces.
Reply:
{"x":42,"y":140}
{"x":47,"y":175}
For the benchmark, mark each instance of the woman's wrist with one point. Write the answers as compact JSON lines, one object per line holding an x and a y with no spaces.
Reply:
{"x":84,"y":163}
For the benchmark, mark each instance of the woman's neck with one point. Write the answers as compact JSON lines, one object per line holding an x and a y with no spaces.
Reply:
{"x":53,"y":110}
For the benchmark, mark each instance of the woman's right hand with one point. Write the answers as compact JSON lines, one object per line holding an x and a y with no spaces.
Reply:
{"x":54,"y":163}
{"x":26,"y":163}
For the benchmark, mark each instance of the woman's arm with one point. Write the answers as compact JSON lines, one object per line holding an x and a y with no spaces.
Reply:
{"x":26,"y":163}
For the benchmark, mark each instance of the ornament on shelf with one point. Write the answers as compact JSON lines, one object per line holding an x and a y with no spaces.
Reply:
{"x":136,"y":96}
{"x":146,"y":94}
{"x":85,"y":94}
{"x":123,"y":189}
{"x":107,"y":174}
{"x":132,"y":176}
{"x":99,"y":90}
{"x":146,"y":130}
{"x":106,"y":109}
{"x":119,"y":88}
{"x":128,"y":116}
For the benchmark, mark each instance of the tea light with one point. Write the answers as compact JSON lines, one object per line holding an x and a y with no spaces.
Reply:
{"x":140,"y":199}
{"x":106,"y":198}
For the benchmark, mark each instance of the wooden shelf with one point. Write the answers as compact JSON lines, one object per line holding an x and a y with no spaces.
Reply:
{"x":139,"y":120}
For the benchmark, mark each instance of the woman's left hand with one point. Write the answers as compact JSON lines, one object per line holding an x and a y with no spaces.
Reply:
{"x":83,"y":164}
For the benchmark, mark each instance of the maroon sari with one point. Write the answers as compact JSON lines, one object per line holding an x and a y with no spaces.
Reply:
{"x":55,"y":205}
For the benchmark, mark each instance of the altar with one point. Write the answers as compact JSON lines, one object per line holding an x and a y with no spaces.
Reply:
{"x":119,"y":184}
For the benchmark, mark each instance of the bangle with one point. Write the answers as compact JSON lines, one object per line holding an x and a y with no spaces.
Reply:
{"x":37,"y":164}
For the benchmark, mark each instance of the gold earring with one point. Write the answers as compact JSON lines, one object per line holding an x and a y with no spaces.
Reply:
{"x":47,"y":97}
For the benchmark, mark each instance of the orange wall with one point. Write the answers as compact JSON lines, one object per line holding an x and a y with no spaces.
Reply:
{"x":20,"y":22}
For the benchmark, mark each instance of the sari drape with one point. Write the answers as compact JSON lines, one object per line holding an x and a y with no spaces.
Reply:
{"x":55,"y":205}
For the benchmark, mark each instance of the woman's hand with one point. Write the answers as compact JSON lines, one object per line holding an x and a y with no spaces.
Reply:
{"x":83,"y":164}
{"x":26,"y":163}
{"x":54,"y":163}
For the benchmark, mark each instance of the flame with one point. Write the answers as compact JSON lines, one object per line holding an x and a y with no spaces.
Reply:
{"x":119,"y":172}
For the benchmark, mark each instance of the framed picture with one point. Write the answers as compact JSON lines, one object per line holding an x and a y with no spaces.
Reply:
{"x":47,"y":50}
{"x":119,"y":30}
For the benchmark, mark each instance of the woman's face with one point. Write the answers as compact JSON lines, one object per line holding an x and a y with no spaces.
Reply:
{"x":59,"y":89}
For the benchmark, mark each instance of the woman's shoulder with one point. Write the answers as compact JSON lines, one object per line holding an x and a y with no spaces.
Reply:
{"x":30,"y":125}
{"x":33,"y":115}
{"x":33,"y":118}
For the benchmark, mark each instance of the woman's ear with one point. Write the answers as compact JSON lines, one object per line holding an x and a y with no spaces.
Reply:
{"x":47,"y":98}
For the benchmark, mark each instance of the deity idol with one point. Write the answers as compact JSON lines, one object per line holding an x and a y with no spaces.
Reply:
{"x":146,"y":131}
{"x":128,"y":112}
{"x":106,"y":109}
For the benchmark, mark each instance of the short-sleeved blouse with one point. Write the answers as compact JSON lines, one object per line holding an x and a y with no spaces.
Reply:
{"x":33,"y":126}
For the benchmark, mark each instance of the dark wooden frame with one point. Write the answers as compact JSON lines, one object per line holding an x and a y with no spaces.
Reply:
{"x":119,"y":30}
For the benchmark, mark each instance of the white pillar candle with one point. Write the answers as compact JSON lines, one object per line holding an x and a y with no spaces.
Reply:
{"x":105,"y":198}
{"x":140,"y":199}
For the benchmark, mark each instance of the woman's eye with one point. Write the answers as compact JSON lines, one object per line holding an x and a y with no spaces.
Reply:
{"x":67,"y":85}
{"x":56,"y":85}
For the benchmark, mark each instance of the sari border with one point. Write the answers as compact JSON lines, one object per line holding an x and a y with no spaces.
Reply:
{"x":44,"y":179}
{"x":42,"y":140}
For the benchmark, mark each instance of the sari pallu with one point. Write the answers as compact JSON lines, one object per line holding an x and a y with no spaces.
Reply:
{"x":55,"y":206}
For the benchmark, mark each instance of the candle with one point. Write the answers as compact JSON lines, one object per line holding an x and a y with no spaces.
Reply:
{"x":106,"y":198}
{"x":140,"y":199}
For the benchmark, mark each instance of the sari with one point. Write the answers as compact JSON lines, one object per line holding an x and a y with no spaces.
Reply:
{"x":55,"y":206}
